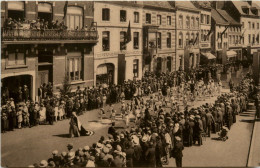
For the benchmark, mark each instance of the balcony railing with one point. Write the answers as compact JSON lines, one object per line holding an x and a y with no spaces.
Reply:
{"x":47,"y":34}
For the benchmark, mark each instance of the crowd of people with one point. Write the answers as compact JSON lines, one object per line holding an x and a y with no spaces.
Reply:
{"x":38,"y":24}
{"x":159,"y":132}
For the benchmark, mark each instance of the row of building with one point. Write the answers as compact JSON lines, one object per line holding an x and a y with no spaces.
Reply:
{"x":112,"y":41}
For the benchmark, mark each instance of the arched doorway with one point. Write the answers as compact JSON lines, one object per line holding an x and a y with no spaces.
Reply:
{"x":13,"y":83}
{"x":105,"y":74}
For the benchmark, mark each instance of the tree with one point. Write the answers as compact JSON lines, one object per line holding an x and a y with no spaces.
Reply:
{"x":66,"y":89}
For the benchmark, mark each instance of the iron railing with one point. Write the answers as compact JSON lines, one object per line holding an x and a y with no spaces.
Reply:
{"x":47,"y":34}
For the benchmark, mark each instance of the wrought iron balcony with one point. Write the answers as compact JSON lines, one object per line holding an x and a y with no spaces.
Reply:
{"x":48,"y":35}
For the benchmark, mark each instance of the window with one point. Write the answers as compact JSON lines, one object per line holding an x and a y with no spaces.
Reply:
{"x":148,"y":18}
{"x":187,"y":38}
{"x":257,"y":25}
{"x":202,"y":18}
{"x":74,"y":67}
{"x":253,"y":39}
{"x":122,"y":16}
{"x":192,"y":38}
{"x":16,"y":10}
{"x":180,"y":40}
{"x":253,"y":25}
{"x":169,"y":64}
{"x":136,"y":17}
{"x":202,"y":35}
{"x":136,"y":67}
{"x":169,"y":20}
{"x":197,"y":22}
{"x":196,"y":39}
{"x":122,"y":40}
{"x":159,"y":39}
{"x":16,"y":59}
{"x":249,"y":38}
{"x":208,"y":19}
{"x":105,"y":41}
{"x":169,"y":40}
{"x":243,"y":24}
{"x":188,"y":22}
{"x":249,"y":25}
{"x":192,"y":23}
{"x":105,"y":14}
{"x":136,"y":40}
{"x":180,"y":21}
{"x":159,"y":19}
{"x":74,"y":18}
{"x":257,"y":39}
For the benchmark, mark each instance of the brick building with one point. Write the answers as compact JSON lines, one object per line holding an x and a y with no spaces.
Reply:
{"x":33,"y":57}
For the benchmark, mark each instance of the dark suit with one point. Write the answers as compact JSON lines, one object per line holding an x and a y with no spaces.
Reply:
{"x":209,"y":120}
{"x":178,"y":153}
{"x":150,"y":157}
{"x":220,"y":119}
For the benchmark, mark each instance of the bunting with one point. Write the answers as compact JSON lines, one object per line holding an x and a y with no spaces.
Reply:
{"x":128,"y":34}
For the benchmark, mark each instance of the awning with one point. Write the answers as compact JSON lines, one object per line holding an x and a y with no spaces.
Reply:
{"x":209,"y":55}
{"x":231,"y":53}
{"x":101,"y":69}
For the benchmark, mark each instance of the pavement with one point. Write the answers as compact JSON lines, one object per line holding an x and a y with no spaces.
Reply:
{"x":254,"y":153}
{"x":31,"y":145}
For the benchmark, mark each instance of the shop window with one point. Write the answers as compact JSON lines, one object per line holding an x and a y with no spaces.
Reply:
{"x":136,"y":40}
{"x":105,"y":14}
{"x":75,"y":68}
{"x":159,"y":39}
{"x":16,"y":59}
{"x":122,"y":16}
{"x":123,"y":40}
{"x":74,"y":18}
{"x":169,"y":20}
{"x":148,"y":18}
{"x":180,"y":40}
{"x":136,"y":17}
{"x":136,"y":67}
{"x":169,"y":40}
{"x":106,"y":41}
{"x":159,"y":19}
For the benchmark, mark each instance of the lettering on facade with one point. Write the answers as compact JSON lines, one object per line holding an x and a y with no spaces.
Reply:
{"x":115,"y":54}
{"x":204,"y":45}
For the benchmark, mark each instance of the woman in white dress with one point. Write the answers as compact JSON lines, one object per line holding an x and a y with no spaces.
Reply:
{"x":56,"y":111}
{"x":42,"y":114}
{"x":61,"y":112}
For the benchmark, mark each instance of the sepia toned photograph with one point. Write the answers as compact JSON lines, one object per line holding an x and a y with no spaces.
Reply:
{"x":130,"y":83}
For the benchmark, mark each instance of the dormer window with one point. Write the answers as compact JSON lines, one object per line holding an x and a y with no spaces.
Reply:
{"x":245,"y":9}
{"x":254,"y":11}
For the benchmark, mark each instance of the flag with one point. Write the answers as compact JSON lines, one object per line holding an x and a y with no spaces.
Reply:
{"x":224,"y":31}
{"x":65,"y":9}
{"x":128,"y":34}
{"x":195,"y":39}
{"x":209,"y":32}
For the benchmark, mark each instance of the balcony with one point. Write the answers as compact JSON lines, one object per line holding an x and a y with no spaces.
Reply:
{"x":27,"y":36}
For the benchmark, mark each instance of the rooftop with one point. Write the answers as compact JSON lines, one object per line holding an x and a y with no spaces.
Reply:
{"x":242,"y":4}
{"x":185,"y":5}
{"x":218,"y":18}
{"x":158,"y":4}
{"x":227,"y":17}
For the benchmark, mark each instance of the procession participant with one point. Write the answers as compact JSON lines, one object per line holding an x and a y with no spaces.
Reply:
{"x":75,"y":126}
{"x":177,"y":151}
{"x":20,"y":116}
{"x":42,"y":113}
{"x":26,"y":115}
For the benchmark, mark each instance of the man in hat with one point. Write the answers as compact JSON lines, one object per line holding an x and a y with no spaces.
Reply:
{"x":150,"y":155}
{"x":198,"y":129}
{"x":209,"y":121}
{"x":112,"y":130}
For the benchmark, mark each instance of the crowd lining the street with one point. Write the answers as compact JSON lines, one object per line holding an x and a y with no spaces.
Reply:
{"x":159,"y":132}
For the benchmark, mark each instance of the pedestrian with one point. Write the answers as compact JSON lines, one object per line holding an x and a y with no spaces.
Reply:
{"x":177,"y":151}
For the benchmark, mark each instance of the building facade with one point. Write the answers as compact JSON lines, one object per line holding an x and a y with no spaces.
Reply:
{"x":188,"y":35}
{"x":219,"y":39}
{"x":35,"y":56}
{"x":115,"y":59}
{"x":158,"y":36}
{"x":247,"y":13}
{"x":205,"y":31}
